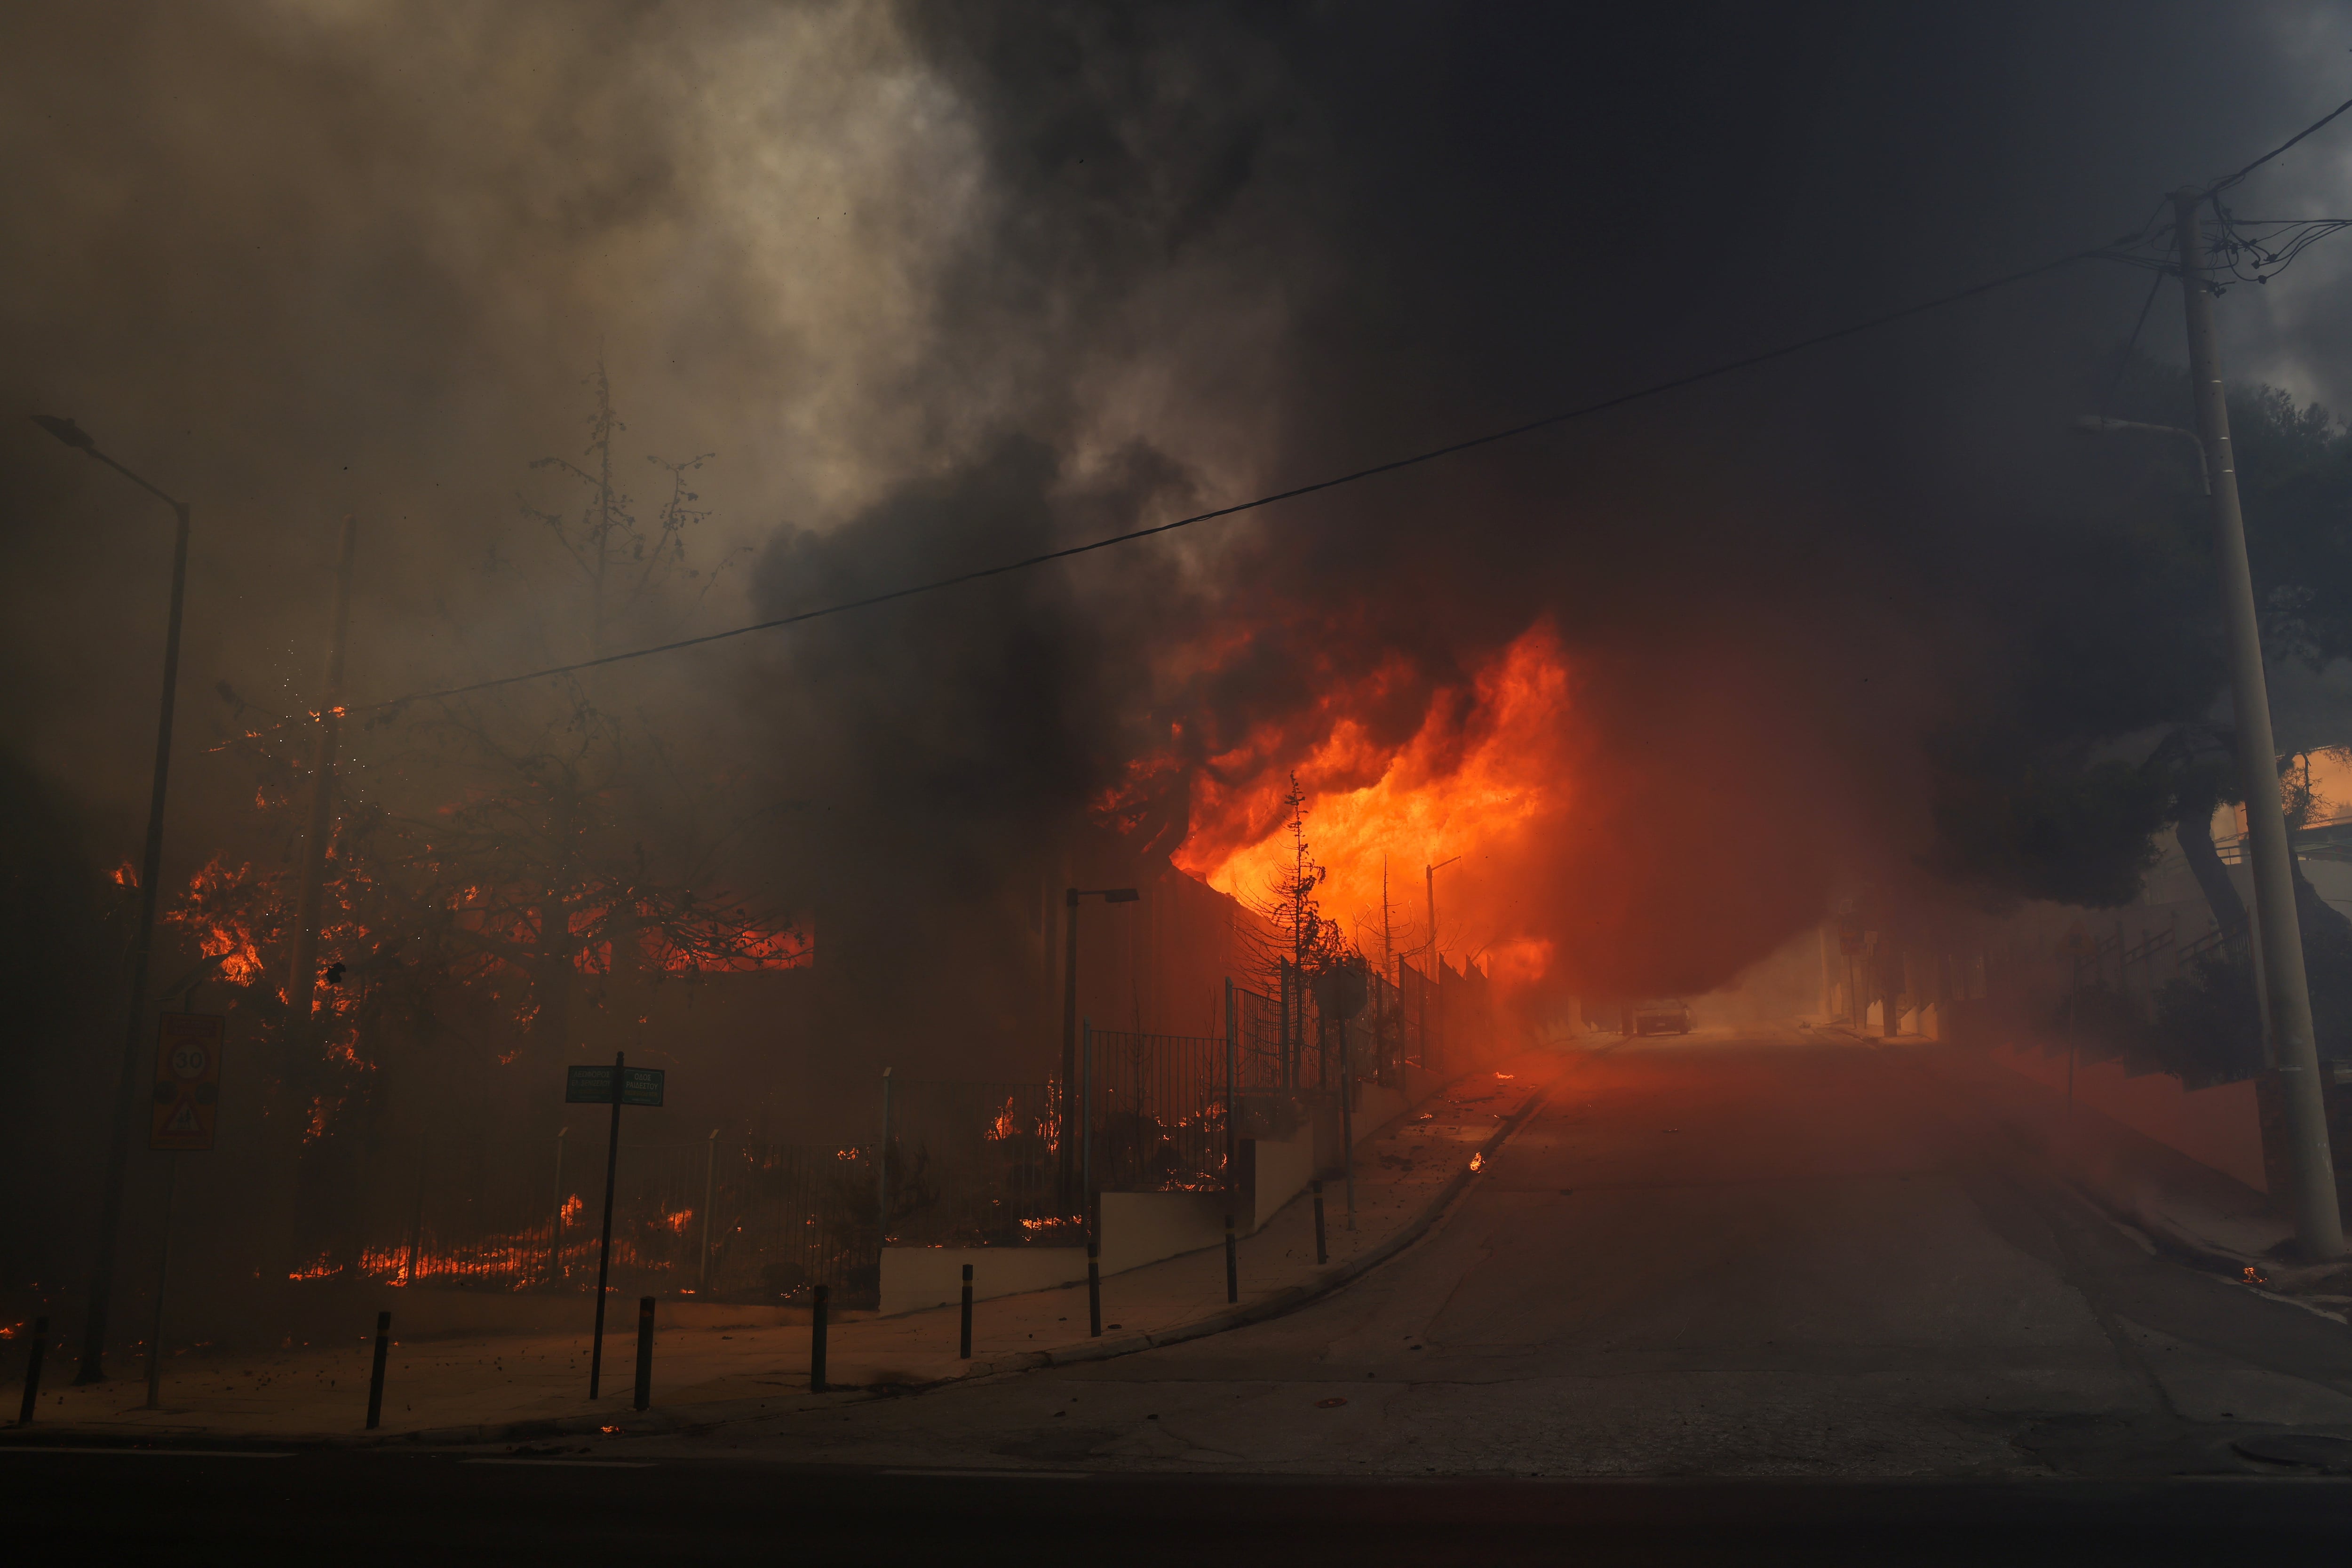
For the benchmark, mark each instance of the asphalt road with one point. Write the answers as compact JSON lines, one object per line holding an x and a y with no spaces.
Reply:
{"x":1720,"y":1301}
{"x":1703,"y":1258}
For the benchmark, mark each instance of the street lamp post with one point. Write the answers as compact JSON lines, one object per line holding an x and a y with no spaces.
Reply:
{"x":1070,"y":898}
{"x":151,"y":871}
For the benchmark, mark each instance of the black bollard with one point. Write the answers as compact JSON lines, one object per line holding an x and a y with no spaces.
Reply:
{"x":817,"y":1341}
{"x":1094,"y":1289}
{"x":965,"y":1352}
{"x":375,"y":1377}
{"x":644,"y":1350}
{"x":39,"y":1348}
{"x":1322,"y":1253}
{"x":1233,"y":1263}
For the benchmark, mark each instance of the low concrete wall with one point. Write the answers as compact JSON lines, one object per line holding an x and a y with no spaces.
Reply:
{"x":1274,"y":1172}
{"x":914,"y":1278}
{"x":1377,"y":1107}
{"x":1144,"y":1227}
{"x":2219,"y":1127}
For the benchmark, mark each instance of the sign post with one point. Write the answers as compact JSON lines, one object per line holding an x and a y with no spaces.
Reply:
{"x":187,"y":1103}
{"x":617,"y":1086}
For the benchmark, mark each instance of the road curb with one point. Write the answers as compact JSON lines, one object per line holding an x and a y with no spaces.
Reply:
{"x":1292,"y":1298}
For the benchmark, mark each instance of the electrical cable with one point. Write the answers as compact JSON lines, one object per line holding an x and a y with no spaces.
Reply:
{"x":2218,"y":186}
{"x":2291,"y":239}
{"x":1656,"y":389}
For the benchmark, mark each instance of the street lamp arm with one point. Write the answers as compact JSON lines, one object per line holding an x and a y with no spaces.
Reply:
{"x":2096,"y":425}
{"x":74,"y":436}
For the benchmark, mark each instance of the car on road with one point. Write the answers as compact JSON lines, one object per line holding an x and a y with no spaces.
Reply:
{"x":1659,"y":1016}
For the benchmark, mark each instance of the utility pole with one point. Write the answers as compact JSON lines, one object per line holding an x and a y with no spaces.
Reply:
{"x":1388,"y":959}
{"x":142,"y":943}
{"x":302,"y":960}
{"x":2318,"y":1225}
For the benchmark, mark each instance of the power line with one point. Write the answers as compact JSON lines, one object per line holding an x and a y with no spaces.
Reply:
{"x":2223,"y":184}
{"x":2110,"y":251}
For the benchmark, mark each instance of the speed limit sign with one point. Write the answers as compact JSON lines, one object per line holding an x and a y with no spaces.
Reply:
{"x":187,"y":1081}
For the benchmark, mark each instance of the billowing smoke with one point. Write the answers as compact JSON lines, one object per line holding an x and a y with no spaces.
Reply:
{"x":942,"y":286}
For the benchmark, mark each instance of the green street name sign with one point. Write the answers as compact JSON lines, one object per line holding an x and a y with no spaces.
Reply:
{"x":594,"y":1086}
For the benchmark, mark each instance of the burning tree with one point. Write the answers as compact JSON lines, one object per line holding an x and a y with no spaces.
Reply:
{"x":496,"y":873}
{"x":1303,"y":939}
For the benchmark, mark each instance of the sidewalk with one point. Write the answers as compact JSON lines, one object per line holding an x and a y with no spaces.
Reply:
{"x":725,"y":1363}
{"x":2183,"y":1207}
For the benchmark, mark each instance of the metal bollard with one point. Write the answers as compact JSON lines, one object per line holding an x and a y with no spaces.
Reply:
{"x":375,"y":1377}
{"x":1094,"y":1289}
{"x":1233,"y":1263}
{"x":39,"y":1348}
{"x":1322,"y":1253}
{"x":965,"y":1352}
{"x":644,"y":1350}
{"x":817,"y":1341}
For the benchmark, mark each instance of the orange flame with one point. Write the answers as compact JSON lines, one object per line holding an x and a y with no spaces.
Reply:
{"x":1483,"y":773}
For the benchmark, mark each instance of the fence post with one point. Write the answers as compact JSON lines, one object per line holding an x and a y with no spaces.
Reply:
{"x":1233,"y":1263}
{"x":1322,"y":1253}
{"x":709,"y":1187}
{"x":39,"y":1348}
{"x":964,"y":1352}
{"x":1093,"y":1287}
{"x":417,"y":1217}
{"x":1233,"y":1128}
{"x":376,"y":1376}
{"x":1085,"y":1119}
{"x":882,"y":1176}
{"x":817,"y":1341}
{"x":555,"y":1268}
{"x":1348,"y":1120}
{"x":644,"y":1352}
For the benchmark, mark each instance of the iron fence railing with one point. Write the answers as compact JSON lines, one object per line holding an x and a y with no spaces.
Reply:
{"x":973,"y":1164}
{"x":1155,"y":1112}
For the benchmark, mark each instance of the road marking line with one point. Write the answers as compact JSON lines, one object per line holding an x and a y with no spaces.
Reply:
{"x":999,"y":1474}
{"x":573,"y":1464}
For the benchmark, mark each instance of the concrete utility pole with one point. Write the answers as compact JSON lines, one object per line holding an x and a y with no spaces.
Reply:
{"x":2318,"y":1225}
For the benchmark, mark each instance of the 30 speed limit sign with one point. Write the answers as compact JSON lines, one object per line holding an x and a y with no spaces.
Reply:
{"x":187,"y":1081}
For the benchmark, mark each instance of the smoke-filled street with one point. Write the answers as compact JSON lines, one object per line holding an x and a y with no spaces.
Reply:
{"x":1711,"y":1257}
{"x":1310,"y":767}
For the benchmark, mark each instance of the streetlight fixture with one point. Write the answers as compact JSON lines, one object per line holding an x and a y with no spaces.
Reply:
{"x":2094,"y":425}
{"x":151,"y":871}
{"x":1070,"y":898}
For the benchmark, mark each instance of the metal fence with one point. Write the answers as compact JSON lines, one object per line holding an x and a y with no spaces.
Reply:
{"x":1156,"y":1114}
{"x":974,"y":1164}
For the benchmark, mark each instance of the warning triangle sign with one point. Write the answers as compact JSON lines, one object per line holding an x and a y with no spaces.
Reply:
{"x":184,"y":1121}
